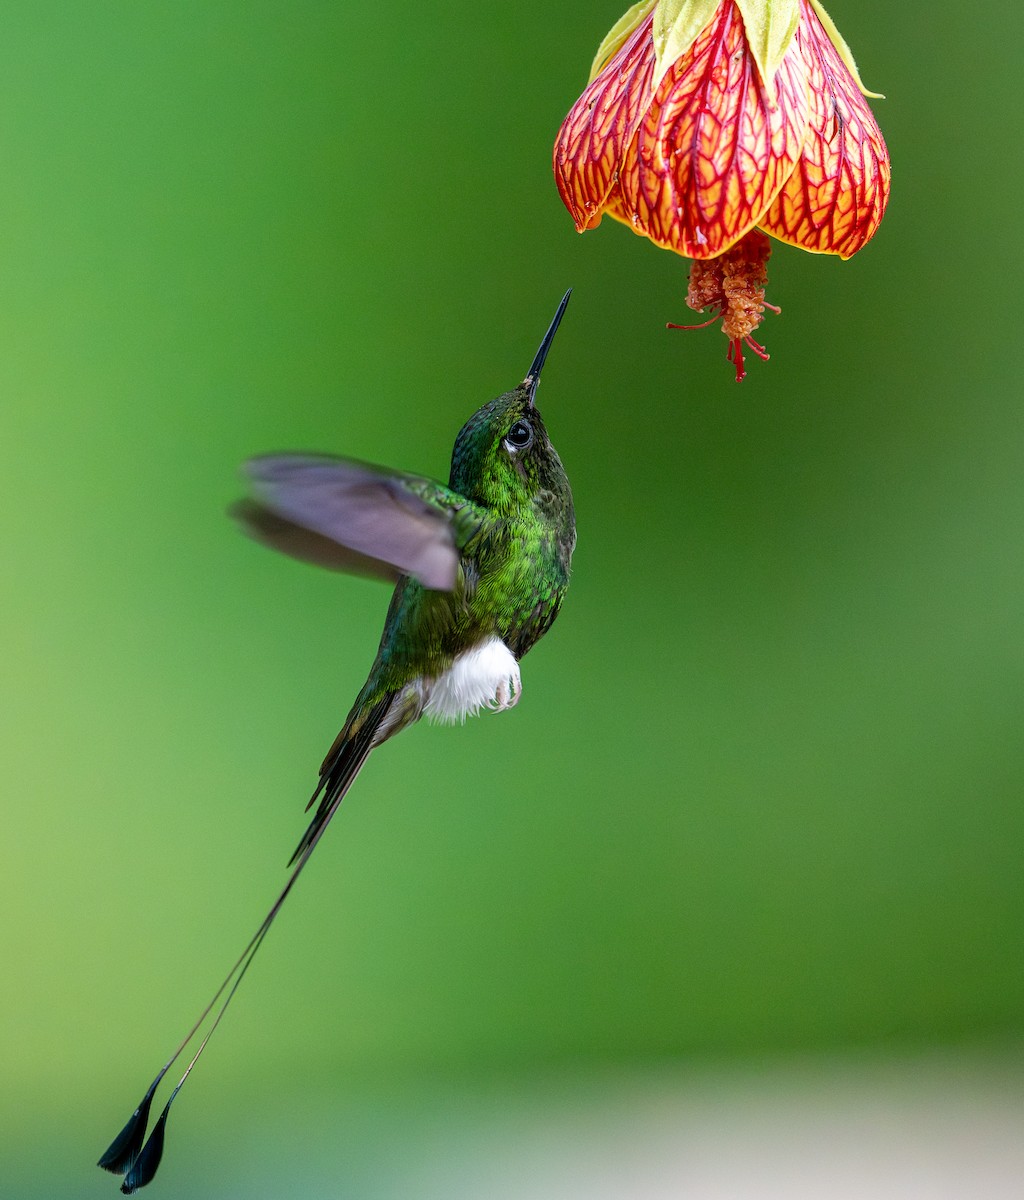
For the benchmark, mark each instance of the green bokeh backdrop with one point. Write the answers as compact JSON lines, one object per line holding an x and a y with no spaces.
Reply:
{"x":763,"y":793}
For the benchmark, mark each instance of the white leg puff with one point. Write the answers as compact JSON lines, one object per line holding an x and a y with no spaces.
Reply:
{"x":485,"y":677}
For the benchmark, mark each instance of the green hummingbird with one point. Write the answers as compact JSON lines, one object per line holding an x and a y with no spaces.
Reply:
{"x":480,"y":570}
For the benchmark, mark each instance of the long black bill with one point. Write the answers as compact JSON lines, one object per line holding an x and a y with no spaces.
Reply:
{"x":533,"y":375}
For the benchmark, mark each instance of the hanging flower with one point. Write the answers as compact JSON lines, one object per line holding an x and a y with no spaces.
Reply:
{"x":707,"y":121}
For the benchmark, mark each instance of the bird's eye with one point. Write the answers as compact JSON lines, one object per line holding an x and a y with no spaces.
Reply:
{"x":519,"y":436}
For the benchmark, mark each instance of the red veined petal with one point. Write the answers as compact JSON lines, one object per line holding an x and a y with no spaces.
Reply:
{"x":590,"y":143}
{"x":613,"y":206}
{"x":715,"y":145}
{"x":834,"y":200}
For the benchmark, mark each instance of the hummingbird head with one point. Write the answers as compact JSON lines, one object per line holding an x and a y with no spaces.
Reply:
{"x":503,"y":458}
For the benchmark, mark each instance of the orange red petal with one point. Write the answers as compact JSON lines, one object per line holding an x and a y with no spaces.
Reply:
{"x":715,"y":146}
{"x":594,"y":135}
{"x":834,"y":200}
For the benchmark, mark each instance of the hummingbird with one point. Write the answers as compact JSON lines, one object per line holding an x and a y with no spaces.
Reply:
{"x":480,"y":568}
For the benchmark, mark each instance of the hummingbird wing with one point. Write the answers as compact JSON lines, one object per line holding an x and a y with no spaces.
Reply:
{"x":353,"y":516}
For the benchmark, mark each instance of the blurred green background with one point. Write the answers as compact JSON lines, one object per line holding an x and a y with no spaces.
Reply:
{"x":762,"y":797}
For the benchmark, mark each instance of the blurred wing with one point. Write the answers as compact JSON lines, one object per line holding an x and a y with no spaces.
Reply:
{"x":351,"y":516}
{"x":276,"y":532}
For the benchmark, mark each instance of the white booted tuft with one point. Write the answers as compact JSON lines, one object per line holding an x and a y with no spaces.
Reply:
{"x":485,"y":677}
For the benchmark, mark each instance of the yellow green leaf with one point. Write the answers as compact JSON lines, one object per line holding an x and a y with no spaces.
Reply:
{"x":770,"y":26}
{"x":845,"y":53}
{"x":616,"y":37}
{"x":677,"y":24}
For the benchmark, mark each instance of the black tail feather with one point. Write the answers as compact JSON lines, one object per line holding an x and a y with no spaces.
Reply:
{"x":144,"y":1167}
{"x":126,"y":1153}
{"x":339,"y":771}
{"x":122,"y":1152}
